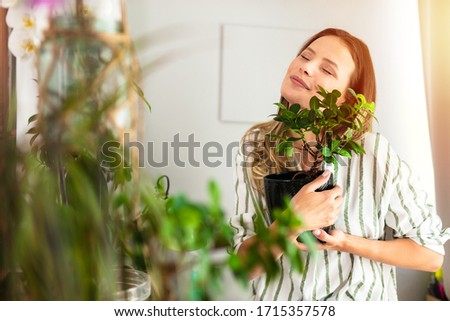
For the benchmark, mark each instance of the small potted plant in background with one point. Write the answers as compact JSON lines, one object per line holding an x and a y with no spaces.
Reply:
{"x":336,"y":129}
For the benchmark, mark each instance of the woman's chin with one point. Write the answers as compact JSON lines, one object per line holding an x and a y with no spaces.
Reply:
{"x":302,"y":102}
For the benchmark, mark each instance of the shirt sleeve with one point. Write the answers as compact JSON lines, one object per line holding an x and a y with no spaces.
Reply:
{"x":410,"y":214}
{"x":242,"y":220}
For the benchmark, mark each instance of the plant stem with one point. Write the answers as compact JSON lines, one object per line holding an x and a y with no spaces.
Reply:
{"x":80,"y":9}
{"x":62,"y":179}
{"x":314,"y":155}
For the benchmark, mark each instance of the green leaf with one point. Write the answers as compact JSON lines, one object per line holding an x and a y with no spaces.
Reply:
{"x":214,"y":194}
{"x":280,"y":106}
{"x":310,"y":241}
{"x":127,"y":173}
{"x":330,"y":160}
{"x":357,"y":148}
{"x":331,"y":99}
{"x":32,"y":130}
{"x":32,"y":118}
{"x":345,"y":110}
{"x":294,"y":108}
{"x":335,"y":144}
{"x":274,"y":136}
{"x":335,"y":163}
{"x":302,"y":123}
{"x":289,"y":115}
{"x":293,"y":139}
{"x":33,"y":138}
{"x":277,"y":118}
{"x":336,"y":94}
{"x":314,"y":103}
{"x":344,"y":153}
{"x":289,"y":150}
{"x":326,"y":152}
{"x":121,"y":200}
{"x":322,"y":92}
{"x":352,"y":92}
{"x":280,"y":147}
{"x":327,"y":114}
{"x":140,"y":93}
{"x":349,"y":134}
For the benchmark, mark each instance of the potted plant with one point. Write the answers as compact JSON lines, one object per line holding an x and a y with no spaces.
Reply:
{"x":336,"y":129}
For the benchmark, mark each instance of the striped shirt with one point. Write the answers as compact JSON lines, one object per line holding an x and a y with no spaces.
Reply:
{"x":381,"y":200}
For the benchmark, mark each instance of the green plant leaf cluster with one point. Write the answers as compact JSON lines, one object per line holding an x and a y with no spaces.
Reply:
{"x":174,"y":235}
{"x":63,"y":250}
{"x":334,"y":126}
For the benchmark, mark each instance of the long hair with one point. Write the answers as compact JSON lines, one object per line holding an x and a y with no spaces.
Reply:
{"x":263,"y":156}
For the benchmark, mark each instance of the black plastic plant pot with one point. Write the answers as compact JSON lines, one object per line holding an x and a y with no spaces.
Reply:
{"x":277,"y":187}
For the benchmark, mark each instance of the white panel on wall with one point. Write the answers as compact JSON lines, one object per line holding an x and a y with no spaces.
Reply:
{"x":254,"y":61}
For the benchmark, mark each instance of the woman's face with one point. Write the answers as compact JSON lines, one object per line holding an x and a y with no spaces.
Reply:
{"x":326,"y":62}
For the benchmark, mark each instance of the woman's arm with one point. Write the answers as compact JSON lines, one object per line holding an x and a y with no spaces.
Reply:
{"x":401,"y":252}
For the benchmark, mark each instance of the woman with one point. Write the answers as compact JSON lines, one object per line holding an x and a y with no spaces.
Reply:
{"x":381,"y":219}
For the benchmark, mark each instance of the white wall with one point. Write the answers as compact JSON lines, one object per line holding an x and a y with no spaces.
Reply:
{"x":180,"y":42}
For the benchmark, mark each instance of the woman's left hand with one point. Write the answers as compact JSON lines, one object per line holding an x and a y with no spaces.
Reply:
{"x":333,"y":241}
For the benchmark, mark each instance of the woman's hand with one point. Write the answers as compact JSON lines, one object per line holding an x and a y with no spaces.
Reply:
{"x":317,"y":209}
{"x":333,"y":240}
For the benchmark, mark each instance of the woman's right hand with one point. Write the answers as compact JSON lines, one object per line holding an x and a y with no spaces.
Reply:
{"x":317,"y":209}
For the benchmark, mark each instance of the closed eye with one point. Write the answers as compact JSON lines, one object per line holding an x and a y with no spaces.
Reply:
{"x":305,"y":57}
{"x":328,"y":71}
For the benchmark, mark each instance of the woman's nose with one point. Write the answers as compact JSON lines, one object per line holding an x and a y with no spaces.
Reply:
{"x":306,"y":69}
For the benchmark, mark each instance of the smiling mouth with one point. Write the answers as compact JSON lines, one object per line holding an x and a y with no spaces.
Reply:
{"x":299,"y":82}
